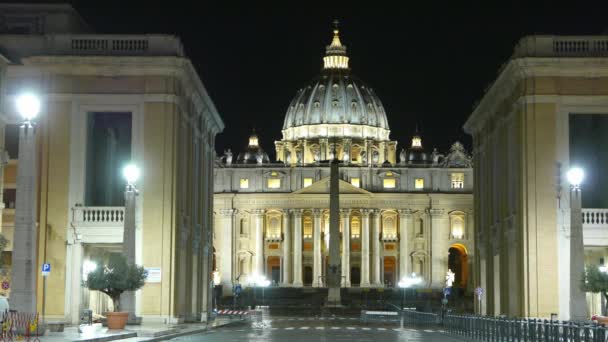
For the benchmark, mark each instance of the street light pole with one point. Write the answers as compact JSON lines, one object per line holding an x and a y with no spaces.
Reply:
{"x":131,"y":174}
{"x":578,"y":303}
{"x":24,"y":270}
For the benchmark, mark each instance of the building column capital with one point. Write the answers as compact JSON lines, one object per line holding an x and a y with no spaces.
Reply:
{"x":365,"y":212}
{"x":435,"y":212}
{"x":405,"y":212}
{"x":345,"y":212}
{"x":296,"y":212}
{"x":317,"y":212}
{"x":257,"y":211}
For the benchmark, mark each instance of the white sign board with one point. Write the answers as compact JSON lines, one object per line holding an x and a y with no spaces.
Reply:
{"x":154,"y":275}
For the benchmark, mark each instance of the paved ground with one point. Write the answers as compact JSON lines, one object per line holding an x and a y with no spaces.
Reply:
{"x":297,"y":329}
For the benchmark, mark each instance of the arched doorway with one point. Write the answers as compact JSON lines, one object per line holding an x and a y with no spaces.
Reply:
{"x":307,"y":276}
{"x":389,"y":271}
{"x":274,"y":269}
{"x":458,"y":263}
{"x":355,"y":276}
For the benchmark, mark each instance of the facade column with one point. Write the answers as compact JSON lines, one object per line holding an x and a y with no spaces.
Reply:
{"x":376,"y":249}
{"x":439,"y":252}
{"x":227,"y":255}
{"x":76,"y":261}
{"x":286,"y":249}
{"x":345,"y":247}
{"x":365,"y":248}
{"x":297,"y":247}
{"x":258,"y":261}
{"x":405,"y":224}
{"x":317,"y":257}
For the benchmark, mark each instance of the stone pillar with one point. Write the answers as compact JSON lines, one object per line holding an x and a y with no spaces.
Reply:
{"x":405,"y":224}
{"x":297,"y":247}
{"x":227,"y":251}
{"x":127,"y":299}
{"x":376,"y":249}
{"x":317,"y":256}
{"x":578,"y":303}
{"x":286,"y":249}
{"x":76,"y":281}
{"x":365,"y":248}
{"x":258,"y":261}
{"x":345,"y":247}
{"x":438,"y":252}
{"x":25,"y":264}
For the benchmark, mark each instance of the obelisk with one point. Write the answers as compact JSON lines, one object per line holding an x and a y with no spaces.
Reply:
{"x":334,"y":273}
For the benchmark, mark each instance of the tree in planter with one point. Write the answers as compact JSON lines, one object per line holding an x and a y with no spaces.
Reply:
{"x":596,"y":280}
{"x":116,"y":277}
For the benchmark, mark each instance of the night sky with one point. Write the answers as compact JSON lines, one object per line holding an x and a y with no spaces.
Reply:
{"x":428,"y":64}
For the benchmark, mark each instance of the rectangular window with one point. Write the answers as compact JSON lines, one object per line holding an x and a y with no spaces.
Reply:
{"x":389,"y":183}
{"x":457,"y":180}
{"x":274,"y":183}
{"x":419,"y":183}
{"x":244,"y":184}
{"x":307,"y":181}
{"x":355,"y":182}
{"x":11,"y":140}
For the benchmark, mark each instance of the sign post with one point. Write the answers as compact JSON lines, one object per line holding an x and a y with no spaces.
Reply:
{"x":46,"y":271}
{"x":479,"y":294}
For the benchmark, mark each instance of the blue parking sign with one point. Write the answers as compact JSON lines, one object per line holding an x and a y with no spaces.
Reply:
{"x":46,"y":269}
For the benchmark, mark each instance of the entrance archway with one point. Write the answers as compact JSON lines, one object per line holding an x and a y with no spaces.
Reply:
{"x":389,"y":271}
{"x":274,"y":269}
{"x":458,"y":263}
{"x":307,"y":276}
{"x":355,"y":276}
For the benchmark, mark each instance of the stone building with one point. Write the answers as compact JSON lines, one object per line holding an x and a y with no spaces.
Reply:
{"x":399,"y":214}
{"x":545,"y":112}
{"x":107,"y":100}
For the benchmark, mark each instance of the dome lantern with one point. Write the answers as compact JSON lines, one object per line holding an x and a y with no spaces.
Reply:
{"x":335,"y":53}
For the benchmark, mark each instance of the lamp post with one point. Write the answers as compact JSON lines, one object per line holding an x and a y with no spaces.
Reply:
{"x":578,"y":303}
{"x":407,"y":282}
{"x":260,"y":281}
{"x":131,"y":174}
{"x":23,"y":293}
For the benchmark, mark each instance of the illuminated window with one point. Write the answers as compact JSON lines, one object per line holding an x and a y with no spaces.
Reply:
{"x":389,"y":183}
{"x":273,"y":231}
{"x":457,"y":180}
{"x":355,"y":182}
{"x":355,"y":227}
{"x":419,"y":183}
{"x":389,"y":227}
{"x":274,"y":183}
{"x":416,"y":142}
{"x":457,"y":226}
{"x":307,"y":227}
{"x":244,"y":183}
{"x":307,"y":181}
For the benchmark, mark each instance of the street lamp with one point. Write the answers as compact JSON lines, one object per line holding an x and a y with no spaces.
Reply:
{"x":131,"y":174}
{"x":260,"y":281}
{"x":407,"y":282}
{"x":578,"y":303}
{"x":23,"y":293}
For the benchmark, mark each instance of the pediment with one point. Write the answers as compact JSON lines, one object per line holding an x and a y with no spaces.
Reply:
{"x":322,"y":187}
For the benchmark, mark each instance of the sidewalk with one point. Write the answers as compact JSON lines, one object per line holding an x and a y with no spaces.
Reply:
{"x":133,"y":333}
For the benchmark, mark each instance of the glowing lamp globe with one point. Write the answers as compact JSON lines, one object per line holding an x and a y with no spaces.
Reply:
{"x":575,"y":176}
{"x":131,"y":173}
{"x":28,"y":106}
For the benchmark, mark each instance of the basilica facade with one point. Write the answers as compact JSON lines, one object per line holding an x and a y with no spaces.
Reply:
{"x":401,"y":211}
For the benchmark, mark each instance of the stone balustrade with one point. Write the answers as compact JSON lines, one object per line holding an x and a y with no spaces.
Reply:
{"x":98,"y":216}
{"x":595,"y":217}
{"x":562,"y":46}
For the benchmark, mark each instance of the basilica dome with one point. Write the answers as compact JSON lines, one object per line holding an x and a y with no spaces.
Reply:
{"x":336,"y":103}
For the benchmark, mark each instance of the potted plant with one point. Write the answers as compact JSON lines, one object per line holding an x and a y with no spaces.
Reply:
{"x":114,"y":278}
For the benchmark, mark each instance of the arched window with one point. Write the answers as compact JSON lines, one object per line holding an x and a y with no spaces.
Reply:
{"x":457,"y":227}
{"x":307,"y":231}
{"x":273,"y":228}
{"x":355,"y":227}
{"x":389,"y":226}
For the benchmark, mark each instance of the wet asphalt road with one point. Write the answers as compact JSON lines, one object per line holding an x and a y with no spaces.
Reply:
{"x":298,"y":329}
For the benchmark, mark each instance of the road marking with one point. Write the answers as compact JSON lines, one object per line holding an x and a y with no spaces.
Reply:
{"x":366,"y":328}
{"x":289,"y":328}
{"x":350,"y":328}
{"x":335,"y":328}
{"x":320,"y":328}
{"x":381,"y":329}
{"x":303,"y":328}
{"x":397,"y":329}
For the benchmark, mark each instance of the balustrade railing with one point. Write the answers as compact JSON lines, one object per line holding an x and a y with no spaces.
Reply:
{"x":595,"y":217}
{"x":95,"y":216}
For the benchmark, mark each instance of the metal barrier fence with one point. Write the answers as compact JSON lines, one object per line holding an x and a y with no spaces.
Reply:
{"x":417,"y":318}
{"x":20,"y":326}
{"x":502,"y":329}
{"x":368,"y":316}
{"x":529,"y":330}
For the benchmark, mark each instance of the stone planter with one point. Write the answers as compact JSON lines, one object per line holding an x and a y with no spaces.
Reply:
{"x":117,"y":320}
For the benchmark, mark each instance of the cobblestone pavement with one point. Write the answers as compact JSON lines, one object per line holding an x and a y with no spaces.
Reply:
{"x":317,"y":329}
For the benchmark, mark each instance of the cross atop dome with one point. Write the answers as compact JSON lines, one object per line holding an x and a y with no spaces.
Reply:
{"x":335,"y":53}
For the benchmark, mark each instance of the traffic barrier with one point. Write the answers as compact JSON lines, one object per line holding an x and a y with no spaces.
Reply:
{"x":368,"y":316}
{"x":20,"y":326}
{"x":417,"y":318}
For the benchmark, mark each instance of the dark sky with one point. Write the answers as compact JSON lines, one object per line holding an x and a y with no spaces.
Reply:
{"x":428,"y":63}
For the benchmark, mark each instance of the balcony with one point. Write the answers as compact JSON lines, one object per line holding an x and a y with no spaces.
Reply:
{"x":562,"y":46}
{"x":98,"y":224}
{"x":595,"y":227}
